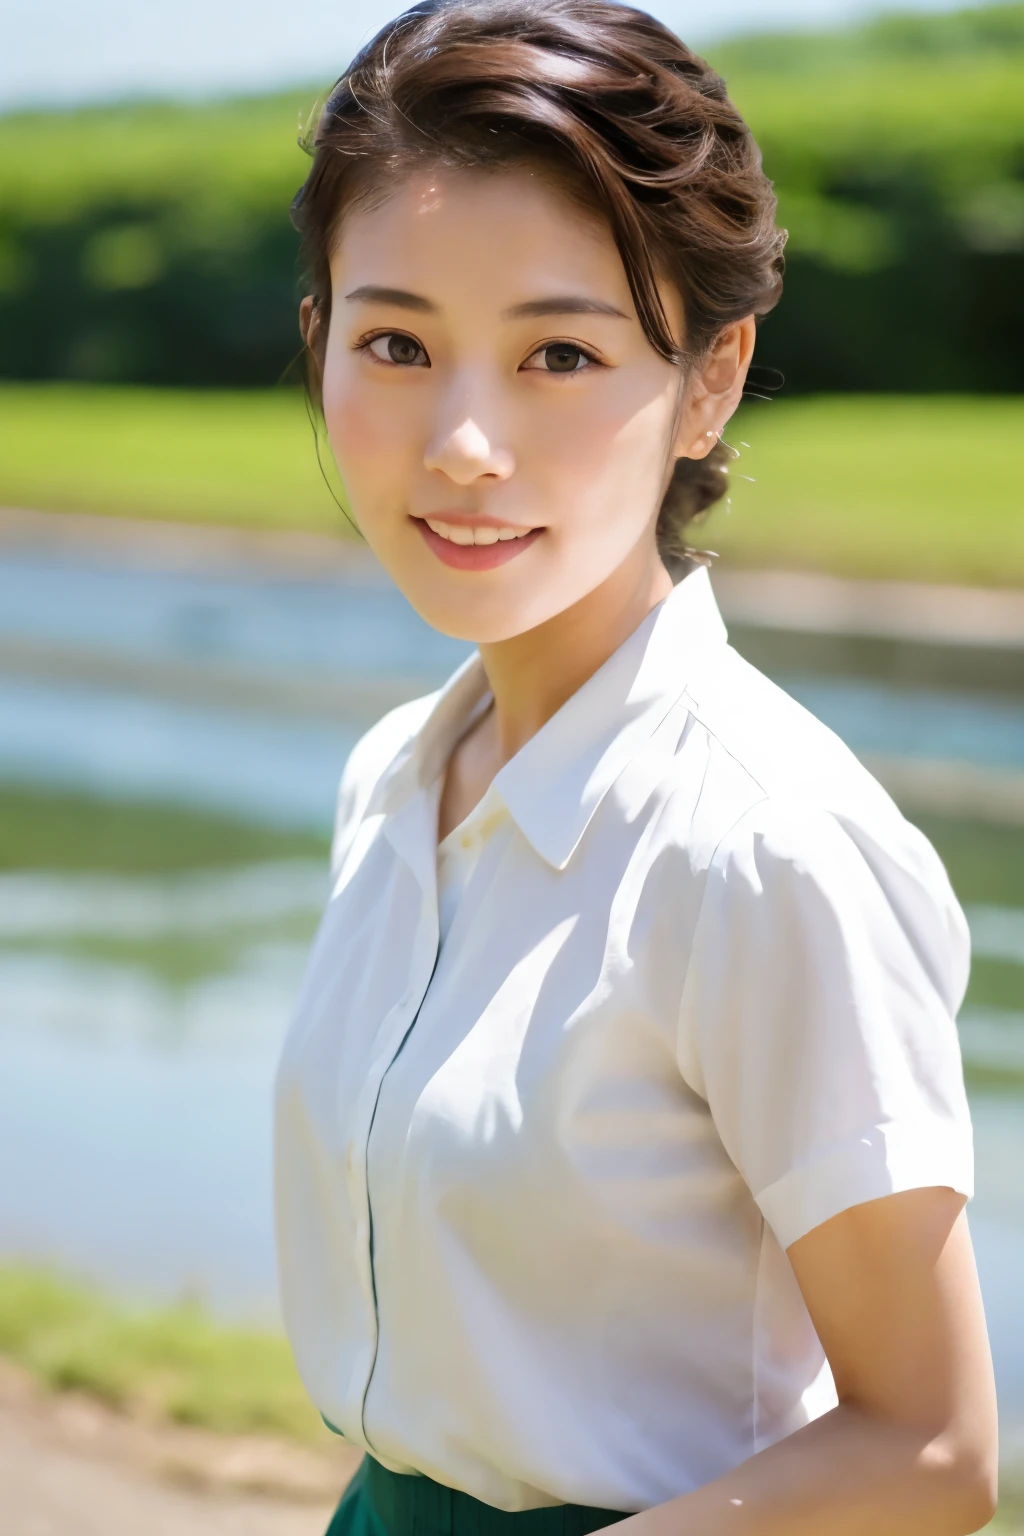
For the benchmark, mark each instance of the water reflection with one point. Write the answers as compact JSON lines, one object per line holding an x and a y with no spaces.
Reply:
{"x":118,"y":744}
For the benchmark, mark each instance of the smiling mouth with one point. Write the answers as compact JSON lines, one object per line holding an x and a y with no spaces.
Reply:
{"x":482,"y":533}
{"x":482,"y":547}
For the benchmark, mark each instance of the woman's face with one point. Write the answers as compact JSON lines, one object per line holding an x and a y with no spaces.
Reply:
{"x":485,"y":376}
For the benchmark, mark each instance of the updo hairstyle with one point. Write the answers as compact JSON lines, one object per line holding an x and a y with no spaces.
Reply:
{"x":631,"y":123}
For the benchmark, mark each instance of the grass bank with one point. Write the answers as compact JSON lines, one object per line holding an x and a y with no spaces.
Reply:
{"x":924,"y":488}
{"x":67,"y":832}
{"x":244,"y":459}
{"x":173,"y":1364}
{"x":177,"y":1366}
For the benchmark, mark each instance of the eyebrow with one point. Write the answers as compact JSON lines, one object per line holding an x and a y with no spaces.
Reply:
{"x":400,"y":297}
{"x":561,"y":304}
{"x":531,"y":309}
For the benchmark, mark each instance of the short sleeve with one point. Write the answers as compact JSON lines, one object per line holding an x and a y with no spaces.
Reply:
{"x":818,"y":1016}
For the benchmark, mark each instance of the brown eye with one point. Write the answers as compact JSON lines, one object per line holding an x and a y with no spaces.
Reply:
{"x":396,"y":347}
{"x":562,"y":358}
{"x":402,"y":349}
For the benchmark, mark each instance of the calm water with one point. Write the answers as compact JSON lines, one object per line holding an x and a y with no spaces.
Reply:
{"x":162,"y":867}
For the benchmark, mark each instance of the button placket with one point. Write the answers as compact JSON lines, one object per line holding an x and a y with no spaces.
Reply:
{"x":405,"y":1013}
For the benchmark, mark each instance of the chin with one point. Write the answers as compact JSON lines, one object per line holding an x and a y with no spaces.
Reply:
{"x":483,"y":619}
{"x":484,"y":607}
{"x":460,"y":625}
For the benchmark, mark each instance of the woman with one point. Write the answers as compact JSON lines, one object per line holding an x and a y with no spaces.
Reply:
{"x":622,"y":1145}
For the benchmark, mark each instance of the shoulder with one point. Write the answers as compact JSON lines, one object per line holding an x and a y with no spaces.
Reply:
{"x":768,"y":757}
{"x":822,"y":907}
{"x":373,"y":754}
{"x":797,"y":835}
{"x":378,"y":747}
{"x":780,"y":747}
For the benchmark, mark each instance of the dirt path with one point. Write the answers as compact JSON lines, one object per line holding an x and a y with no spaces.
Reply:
{"x":48,"y":1490}
{"x":69,"y":1467}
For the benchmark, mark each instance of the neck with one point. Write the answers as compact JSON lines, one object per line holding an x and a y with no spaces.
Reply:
{"x":531,"y":675}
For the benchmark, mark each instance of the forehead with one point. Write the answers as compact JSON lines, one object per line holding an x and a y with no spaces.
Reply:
{"x":501,"y":229}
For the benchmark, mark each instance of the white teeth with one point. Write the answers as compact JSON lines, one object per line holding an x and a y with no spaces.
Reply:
{"x":458,"y":534}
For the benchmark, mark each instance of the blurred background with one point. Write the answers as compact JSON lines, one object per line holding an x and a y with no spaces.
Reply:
{"x":191,"y":640}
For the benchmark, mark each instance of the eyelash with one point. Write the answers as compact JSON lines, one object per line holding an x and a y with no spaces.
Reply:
{"x":364,"y":342}
{"x":574,"y":346}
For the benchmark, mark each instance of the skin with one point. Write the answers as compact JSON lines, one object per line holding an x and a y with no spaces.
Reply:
{"x":474,"y":417}
{"x":489,"y":427}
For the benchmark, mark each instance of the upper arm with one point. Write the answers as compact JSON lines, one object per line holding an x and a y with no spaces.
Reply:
{"x":892,"y":1290}
{"x":818,"y":1022}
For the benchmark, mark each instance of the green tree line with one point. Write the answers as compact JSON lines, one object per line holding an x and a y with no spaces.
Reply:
{"x":150,"y":242}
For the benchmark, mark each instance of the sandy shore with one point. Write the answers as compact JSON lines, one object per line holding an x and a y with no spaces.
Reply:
{"x":71,"y":1467}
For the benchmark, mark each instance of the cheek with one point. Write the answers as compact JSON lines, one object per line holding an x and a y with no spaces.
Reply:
{"x":372,"y":433}
{"x":608,"y":451}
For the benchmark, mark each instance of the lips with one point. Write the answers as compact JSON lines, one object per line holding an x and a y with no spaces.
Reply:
{"x":476,"y":557}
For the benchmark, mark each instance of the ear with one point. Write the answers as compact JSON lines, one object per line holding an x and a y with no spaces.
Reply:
{"x":309,"y":321}
{"x":715,"y":390}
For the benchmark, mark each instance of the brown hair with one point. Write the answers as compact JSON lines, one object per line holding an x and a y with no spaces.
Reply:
{"x":629,"y":119}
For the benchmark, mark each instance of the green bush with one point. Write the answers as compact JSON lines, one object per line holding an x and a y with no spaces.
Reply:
{"x":151,"y":243}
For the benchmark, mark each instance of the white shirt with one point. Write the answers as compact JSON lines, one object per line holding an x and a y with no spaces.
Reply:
{"x":697,"y":996}
{"x":459,"y":850}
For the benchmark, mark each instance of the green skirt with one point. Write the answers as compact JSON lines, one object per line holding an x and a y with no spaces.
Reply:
{"x":382,"y":1503}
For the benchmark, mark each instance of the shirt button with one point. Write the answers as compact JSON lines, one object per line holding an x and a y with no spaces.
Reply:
{"x":467,"y":839}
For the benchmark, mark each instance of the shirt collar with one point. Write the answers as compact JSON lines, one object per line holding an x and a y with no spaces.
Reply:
{"x":557,"y":779}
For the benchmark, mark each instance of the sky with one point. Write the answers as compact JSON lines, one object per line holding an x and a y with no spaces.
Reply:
{"x":60,"y":52}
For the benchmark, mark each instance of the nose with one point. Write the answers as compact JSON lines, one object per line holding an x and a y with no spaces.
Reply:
{"x":466,"y":452}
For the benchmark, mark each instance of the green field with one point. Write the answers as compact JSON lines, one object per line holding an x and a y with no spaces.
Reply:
{"x":916,"y":487}
{"x":924,"y":488}
{"x":244,"y":458}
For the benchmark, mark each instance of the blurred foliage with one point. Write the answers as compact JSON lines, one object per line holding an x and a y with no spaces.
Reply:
{"x":984,"y":859}
{"x":42,"y":829}
{"x":985,"y":862}
{"x":174,"y":1363}
{"x":151,"y":243}
{"x":175,"y":965}
{"x":922,"y":487}
{"x":897,"y":152}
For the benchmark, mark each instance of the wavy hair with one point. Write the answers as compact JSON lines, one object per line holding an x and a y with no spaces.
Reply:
{"x":630,"y":121}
